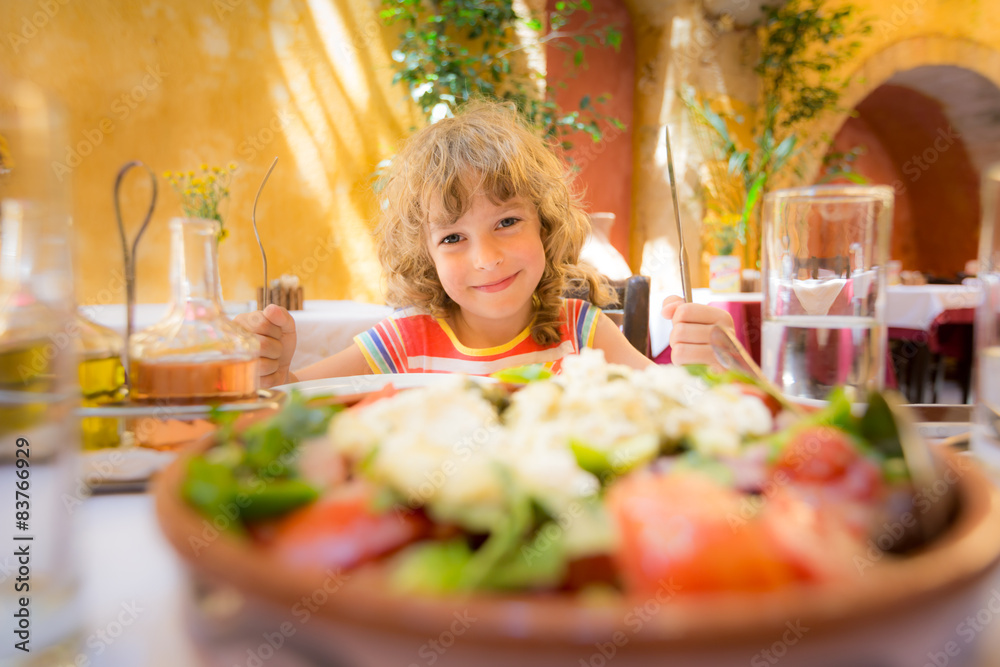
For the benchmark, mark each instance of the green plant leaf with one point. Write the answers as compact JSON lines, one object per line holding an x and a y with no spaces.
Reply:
{"x":783,"y":151}
{"x":738,"y":162}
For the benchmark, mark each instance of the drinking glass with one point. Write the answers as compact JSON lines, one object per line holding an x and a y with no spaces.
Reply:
{"x":986,"y":433}
{"x":825,"y":250}
{"x":39,"y":436}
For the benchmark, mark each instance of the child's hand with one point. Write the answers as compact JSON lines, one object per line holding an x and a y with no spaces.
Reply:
{"x":692,"y":324}
{"x":275,"y":329}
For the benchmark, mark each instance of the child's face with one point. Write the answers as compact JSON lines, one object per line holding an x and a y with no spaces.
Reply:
{"x":490,"y":260}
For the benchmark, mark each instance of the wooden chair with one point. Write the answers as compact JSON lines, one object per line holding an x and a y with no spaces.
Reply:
{"x":630,"y":311}
{"x":952,"y":336}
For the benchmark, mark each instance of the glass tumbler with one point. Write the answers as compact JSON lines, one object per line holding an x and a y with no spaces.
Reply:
{"x":986,"y":432}
{"x":825,"y":250}
{"x":39,"y":434}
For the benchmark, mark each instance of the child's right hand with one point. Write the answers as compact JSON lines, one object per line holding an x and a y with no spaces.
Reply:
{"x":275,"y":330}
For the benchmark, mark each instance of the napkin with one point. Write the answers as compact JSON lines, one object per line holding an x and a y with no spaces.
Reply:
{"x":816,"y":296}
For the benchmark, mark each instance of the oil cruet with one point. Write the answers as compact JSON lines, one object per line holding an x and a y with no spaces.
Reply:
{"x":195,"y":355}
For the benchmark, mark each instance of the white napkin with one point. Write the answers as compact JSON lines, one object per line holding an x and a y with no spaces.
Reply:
{"x":862,"y":282}
{"x":816,"y":296}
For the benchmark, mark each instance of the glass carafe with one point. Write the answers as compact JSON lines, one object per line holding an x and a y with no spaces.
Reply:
{"x":195,"y":355}
{"x":38,"y":391}
{"x":102,"y":380}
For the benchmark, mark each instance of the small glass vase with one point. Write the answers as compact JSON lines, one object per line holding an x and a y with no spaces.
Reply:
{"x":195,"y":355}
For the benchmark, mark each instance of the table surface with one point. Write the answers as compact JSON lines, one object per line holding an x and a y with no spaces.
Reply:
{"x":907,"y":306}
{"x":327,"y":327}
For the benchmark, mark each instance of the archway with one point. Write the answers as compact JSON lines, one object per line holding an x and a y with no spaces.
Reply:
{"x":929,"y":132}
{"x":926,"y":112}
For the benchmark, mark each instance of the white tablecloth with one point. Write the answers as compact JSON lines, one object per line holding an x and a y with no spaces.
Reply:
{"x":916,"y":306}
{"x":327,"y":327}
{"x":323,"y":327}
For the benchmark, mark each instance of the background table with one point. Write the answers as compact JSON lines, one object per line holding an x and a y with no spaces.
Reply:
{"x":327,"y":327}
{"x":907,"y":306}
{"x":917,"y":306}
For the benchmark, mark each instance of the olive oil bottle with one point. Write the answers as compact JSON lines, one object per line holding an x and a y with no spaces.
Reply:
{"x":102,"y":381}
{"x":195,"y":354}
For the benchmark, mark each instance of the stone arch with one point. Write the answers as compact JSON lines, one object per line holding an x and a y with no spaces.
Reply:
{"x":926,"y":50}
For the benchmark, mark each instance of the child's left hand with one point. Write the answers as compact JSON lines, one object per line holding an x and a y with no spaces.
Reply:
{"x":692,"y":324}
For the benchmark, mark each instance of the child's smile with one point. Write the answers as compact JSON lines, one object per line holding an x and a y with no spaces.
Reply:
{"x":498,"y":285}
{"x":489,"y":261}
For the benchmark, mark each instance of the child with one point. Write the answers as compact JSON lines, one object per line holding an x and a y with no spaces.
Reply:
{"x":479,"y":238}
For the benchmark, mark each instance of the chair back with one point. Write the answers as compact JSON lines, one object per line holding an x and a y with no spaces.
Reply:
{"x":630,"y":310}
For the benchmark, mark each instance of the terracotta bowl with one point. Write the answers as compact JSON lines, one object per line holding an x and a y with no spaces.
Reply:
{"x":893,"y":614}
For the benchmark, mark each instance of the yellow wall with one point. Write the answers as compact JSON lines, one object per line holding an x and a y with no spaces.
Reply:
{"x":175,"y":83}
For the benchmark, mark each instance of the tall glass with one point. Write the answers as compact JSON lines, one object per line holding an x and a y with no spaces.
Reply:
{"x":986,"y":434}
{"x":825,"y":250}
{"x":39,"y":436}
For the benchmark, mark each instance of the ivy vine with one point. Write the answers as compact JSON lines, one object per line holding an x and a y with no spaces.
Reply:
{"x":452,"y":51}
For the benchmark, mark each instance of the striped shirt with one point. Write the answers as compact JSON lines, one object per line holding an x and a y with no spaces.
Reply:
{"x":411,"y":341}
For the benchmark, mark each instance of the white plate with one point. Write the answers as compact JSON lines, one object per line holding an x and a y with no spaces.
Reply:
{"x":359,"y":384}
{"x":118,"y":465}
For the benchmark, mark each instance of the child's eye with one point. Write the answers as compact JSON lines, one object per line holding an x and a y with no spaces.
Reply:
{"x":508,"y":222}
{"x":450,"y":239}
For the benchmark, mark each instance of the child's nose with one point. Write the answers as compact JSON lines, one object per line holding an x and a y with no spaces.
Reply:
{"x":489,"y":255}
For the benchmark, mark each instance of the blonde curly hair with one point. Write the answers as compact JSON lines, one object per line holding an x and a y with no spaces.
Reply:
{"x":485,"y":149}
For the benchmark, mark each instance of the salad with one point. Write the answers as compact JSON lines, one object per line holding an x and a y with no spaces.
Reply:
{"x":602,"y":476}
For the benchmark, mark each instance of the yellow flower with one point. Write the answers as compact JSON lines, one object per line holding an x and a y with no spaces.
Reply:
{"x":167,"y":175}
{"x":203,"y":194}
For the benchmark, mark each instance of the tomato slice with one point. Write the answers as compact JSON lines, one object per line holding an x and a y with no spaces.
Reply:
{"x":817,"y":454}
{"x":821,"y":466}
{"x":687,"y":532}
{"x":342,"y":531}
{"x":819,"y":542}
